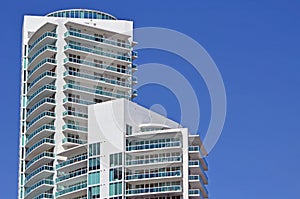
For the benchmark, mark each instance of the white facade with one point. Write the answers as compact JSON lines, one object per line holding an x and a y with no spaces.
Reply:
{"x":72,"y":59}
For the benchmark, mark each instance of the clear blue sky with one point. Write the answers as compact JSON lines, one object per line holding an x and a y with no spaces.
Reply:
{"x":256,"y":45}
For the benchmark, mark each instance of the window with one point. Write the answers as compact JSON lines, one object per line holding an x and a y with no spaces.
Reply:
{"x":115,"y":159}
{"x":94,"y":163}
{"x":94,"y":178}
{"x":128,"y":129}
{"x":115,"y":188}
{"x":94,"y":192}
{"x":94,"y":149}
{"x":115,"y":174}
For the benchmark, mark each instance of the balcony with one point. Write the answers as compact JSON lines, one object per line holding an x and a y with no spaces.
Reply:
{"x":195,"y":153}
{"x":43,"y":105}
{"x":43,"y":118}
{"x":91,"y":79}
{"x":152,"y":176}
{"x":153,"y":146}
{"x":93,"y":91}
{"x":134,"y":67}
{"x":134,"y":93}
{"x":43,"y":145}
{"x":75,"y":116}
{"x":73,"y":161}
{"x":75,"y":129}
{"x":42,"y":92}
{"x":44,"y":52}
{"x":86,"y":37}
{"x":44,"y":195}
{"x":44,"y":131}
{"x":153,"y":190}
{"x":195,"y":193}
{"x":38,"y":188}
{"x":45,"y":65}
{"x":72,"y":177}
{"x":42,"y":172}
{"x":46,"y":38}
{"x":174,"y":159}
{"x":71,"y":142}
{"x":45,"y":78}
{"x":85,"y":51}
{"x":196,"y":167}
{"x":42,"y":159}
{"x":69,"y":101}
{"x":71,"y":191}
{"x":134,"y":54}
{"x":102,"y":67}
{"x":196,"y":181}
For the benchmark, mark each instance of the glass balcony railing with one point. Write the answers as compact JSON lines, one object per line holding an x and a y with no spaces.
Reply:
{"x":97,"y":65}
{"x":40,"y":51}
{"x":76,"y":114}
{"x":40,"y":183}
{"x":198,"y":164}
{"x":43,"y":101}
{"x":41,"y":89}
{"x":71,"y":175}
{"x":71,"y":189}
{"x":47,"y":60}
{"x":98,"y":52}
{"x":73,"y":140}
{"x":98,"y":39}
{"x":71,"y":161}
{"x":38,"y":157}
{"x":194,"y":192}
{"x":153,"y":175}
{"x":74,"y":127}
{"x":134,"y":66}
{"x":39,"y":170}
{"x":78,"y":101}
{"x":154,"y":160}
{"x":101,"y":79}
{"x":46,"y":34}
{"x":153,"y":190}
{"x":44,"y":195}
{"x":46,"y":73}
{"x":198,"y":149}
{"x":45,"y":140}
{"x":94,"y":91}
{"x":44,"y":127}
{"x":153,"y":146}
{"x":43,"y":114}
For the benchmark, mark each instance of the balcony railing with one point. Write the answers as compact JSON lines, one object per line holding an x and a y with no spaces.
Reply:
{"x":154,"y":160}
{"x":39,"y":170}
{"x":71,"y":189}
{"x":97,"y":65}
{"x":153,"y":146}
{"x":47,"y":47}
{"x":74,"y":127}
{"x":94,"y":91}
{"x":73,"y":140}
{"x":153,"y":190}
{"x":98,"y":39}
{"x":98,"y":52}
{"x":71,"y":175}
{"x":194,"y":192}
{"x":198,"y":164}
{"x":101,"y":79}
{"x":47,"y":60}
{"x":78,"y":101}
{"x":45,"y":87}
{"x":153,"y":175}
{"x":44,"y":127}
{"x":43,"y":101}
{"x":76,"y":114}
{"x":46,"y":34}
{"x":45,"y":140}
{"x":40,"y":183}
{"x":71,"y":161}
{"x":43,"y":114}
{"x":46,"y":73}
{"x":36,"y":158}
{"x":44,"y":195}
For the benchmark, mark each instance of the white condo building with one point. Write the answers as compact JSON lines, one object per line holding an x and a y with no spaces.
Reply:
{"x":78,"y":140}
